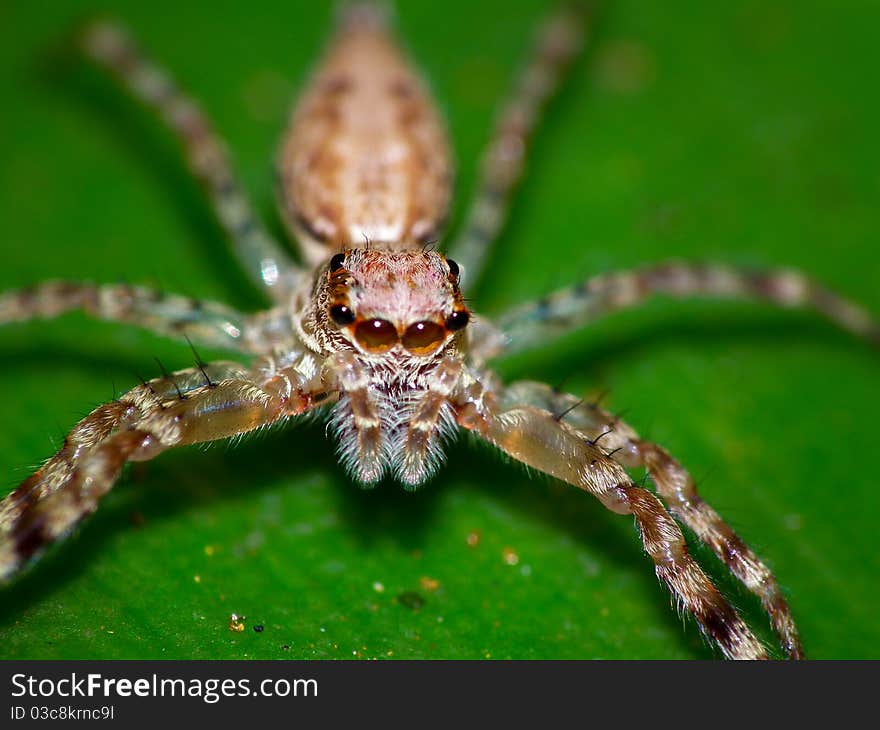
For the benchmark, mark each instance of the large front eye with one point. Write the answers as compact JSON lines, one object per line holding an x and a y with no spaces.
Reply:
{"x":423,"y":337}
{"x":376,"y":335}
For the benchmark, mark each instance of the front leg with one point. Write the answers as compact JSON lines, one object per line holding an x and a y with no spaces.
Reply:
{"x":203,"y":404}
{"x":678,"y":490}
{"x":537,"y":438}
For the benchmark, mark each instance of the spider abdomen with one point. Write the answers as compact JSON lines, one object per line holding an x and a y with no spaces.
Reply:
{"x":366,"y":157}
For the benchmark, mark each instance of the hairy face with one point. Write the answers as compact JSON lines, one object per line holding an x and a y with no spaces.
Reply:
{"x":381,"y":301}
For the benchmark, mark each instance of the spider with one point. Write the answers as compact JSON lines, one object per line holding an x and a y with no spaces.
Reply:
{"x":372,"y":330}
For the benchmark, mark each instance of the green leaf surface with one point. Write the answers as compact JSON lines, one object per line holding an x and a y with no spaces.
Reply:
{"x":743,"y":132}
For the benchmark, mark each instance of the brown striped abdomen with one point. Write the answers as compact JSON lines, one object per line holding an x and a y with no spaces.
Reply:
{"x":365,"y":158}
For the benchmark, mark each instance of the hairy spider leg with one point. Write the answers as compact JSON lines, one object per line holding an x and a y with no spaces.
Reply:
{"x":678,"y":491}
{"x":557,"y":42}
{"x":531,"y":324}
{"x":207,"y":403}
{"x":261,"y":256}
{"x":205,"y":323}
{"x":537,"y":438}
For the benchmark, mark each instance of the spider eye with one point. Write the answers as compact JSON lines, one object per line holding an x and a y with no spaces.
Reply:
{"x":376,"y":335}
{"x":423,"y":337}
{"x":341,"y":314}
{"x":453,"y":267}
{"x":337,"y":262}
{"x":458,"y":320}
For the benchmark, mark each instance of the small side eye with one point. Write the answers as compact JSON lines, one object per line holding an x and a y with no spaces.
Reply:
{"x":341,"y":314}
{"x":458,"y":320}
{"x":453,"y":267}
{"x":337,"y":262}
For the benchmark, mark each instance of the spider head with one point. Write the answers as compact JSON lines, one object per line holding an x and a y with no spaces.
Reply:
{"x":381,"y":301}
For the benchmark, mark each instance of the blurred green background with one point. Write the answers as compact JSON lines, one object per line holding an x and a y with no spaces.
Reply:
{"x":743,"y":132}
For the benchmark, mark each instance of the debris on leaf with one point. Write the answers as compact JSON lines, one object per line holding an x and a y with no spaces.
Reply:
{"x":412,"y":600}
{"x":236,"y":622}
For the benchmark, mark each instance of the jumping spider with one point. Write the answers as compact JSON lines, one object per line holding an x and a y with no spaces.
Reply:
{"x":373,"y":329}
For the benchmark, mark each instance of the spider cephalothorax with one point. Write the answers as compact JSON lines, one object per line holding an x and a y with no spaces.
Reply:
{"x":400,"y":304}
{"x":386,"y":321}
{"x":374,"y":329}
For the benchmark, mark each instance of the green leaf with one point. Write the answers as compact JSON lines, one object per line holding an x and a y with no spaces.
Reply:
{"x":742,"y":133}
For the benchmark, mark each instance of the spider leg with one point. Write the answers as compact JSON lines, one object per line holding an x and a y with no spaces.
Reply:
{"x":207,"y":403}
{"x":530,"y":324}
{"x":204,"y":323}
{"x":110,"y":46}
{"x":678,"y":490}
{"x":537,"y":438}
{"x":556,"y":43}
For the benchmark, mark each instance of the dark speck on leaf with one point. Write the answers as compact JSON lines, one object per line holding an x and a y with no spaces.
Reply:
{"x":258,"y":628}
{"x":286,"y":647}
{"x":412,"y":600}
